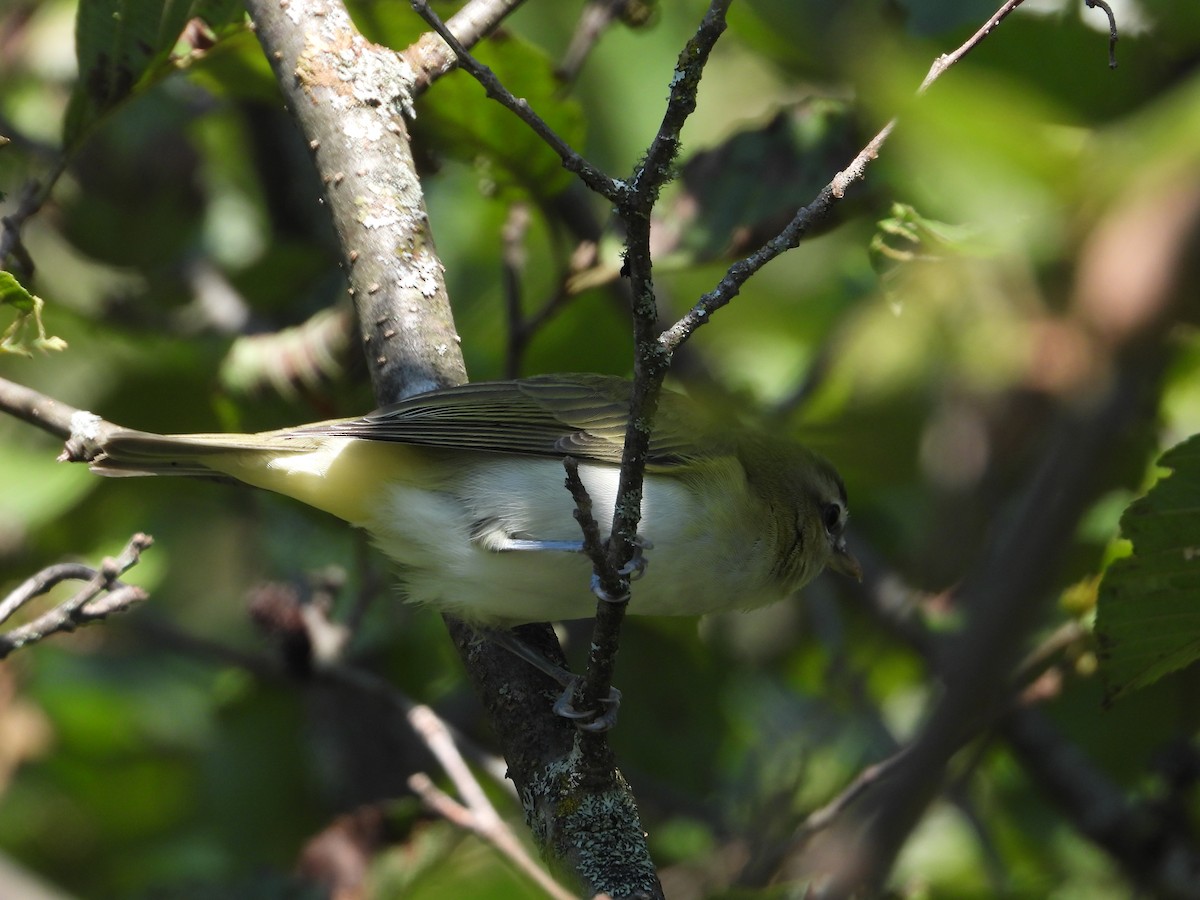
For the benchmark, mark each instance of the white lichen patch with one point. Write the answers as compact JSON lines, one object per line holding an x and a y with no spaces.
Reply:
{"x":363,"y":127}
{"x":420,"y":272}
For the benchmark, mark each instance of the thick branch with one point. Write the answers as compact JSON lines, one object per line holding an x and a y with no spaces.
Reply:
{"x":350,"y":98}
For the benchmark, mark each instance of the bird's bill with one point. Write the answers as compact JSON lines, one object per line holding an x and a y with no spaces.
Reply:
{"x":844,"y":563}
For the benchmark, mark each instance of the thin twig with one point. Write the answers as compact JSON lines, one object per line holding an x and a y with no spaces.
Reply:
{"x":501,"y":838}
{"x":367,"y":683}
{"x":650,"y":360}
{"x":946,"y":60}
{"x":478,"y":815}
{"x":1112,"y":29}
{"x":102,"y":595}
{"x":593,"y":541}
{"x":825,"y":816}
{"x":817,"y":210}
{"x":36,"y":408}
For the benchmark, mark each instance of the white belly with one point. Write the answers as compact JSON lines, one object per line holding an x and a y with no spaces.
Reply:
{"x":694,"y":566}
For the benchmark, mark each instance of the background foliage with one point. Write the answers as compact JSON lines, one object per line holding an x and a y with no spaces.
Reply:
{"x":184,"y":258}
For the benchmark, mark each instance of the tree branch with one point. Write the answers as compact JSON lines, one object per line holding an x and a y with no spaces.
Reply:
{"x":1128,"y":283}
{"x":350,"y":98}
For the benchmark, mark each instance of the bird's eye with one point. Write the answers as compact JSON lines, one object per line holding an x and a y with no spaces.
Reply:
{"x":831,"y":516}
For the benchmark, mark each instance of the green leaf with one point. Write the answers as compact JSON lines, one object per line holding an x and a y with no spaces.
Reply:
{"x":461,"y":122}
{"x":124,"y":45}
{"x":29,"y":312}
{"x":1148,"y":617}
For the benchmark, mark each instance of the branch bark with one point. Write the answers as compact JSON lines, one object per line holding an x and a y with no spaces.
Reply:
{"x":349,"y":98}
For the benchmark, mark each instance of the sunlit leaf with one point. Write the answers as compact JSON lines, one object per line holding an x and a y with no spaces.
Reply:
{"x":123,"y":45}
{"x":1149,"y":608}
{"x":29,"y":315}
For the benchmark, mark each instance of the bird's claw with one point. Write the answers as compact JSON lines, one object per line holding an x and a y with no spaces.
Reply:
{"x":631,"y":571}
{"x":636,"y":567}
{"x":597,"y":720}
{"x":602,"y":594}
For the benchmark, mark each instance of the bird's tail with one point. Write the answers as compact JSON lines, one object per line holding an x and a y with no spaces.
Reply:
{"x":128,"y":452}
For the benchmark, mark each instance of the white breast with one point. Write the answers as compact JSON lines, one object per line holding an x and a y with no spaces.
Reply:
{"x":694,"y":566}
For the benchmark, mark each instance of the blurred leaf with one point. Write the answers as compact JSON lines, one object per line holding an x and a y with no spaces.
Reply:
{"x":907,"y":236}
{"x":292,"y":361}
{"x":808,"y":38}
{"x":29,"y":313}
{"x":462,"y":123}
{"x":1148,"y":612}
{"x":34,"y":490}
{"x":935,"y":17}
{"x":124,"y":45}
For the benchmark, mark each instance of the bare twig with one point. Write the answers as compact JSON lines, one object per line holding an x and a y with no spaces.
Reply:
{"x":593,"y":541}
{"x":946,"y":60}
{"x":36,"y":408}
{"x":1112,"y":29}
{"x":476,"y":813}
{"x":816,"y":211}
{"x":102,"y":595}
{"x":1006,"y":600}
{"x":595,"y":18}
{"x":650,"y":362}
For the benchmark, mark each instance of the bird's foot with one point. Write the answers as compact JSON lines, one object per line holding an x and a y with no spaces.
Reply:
{"x":597,"y":720}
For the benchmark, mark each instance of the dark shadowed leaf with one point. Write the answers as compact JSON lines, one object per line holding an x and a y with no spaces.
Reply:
{"x":464,"y":124}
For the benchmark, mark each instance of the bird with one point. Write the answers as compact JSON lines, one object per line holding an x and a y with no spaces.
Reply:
{"x":463,"y":488}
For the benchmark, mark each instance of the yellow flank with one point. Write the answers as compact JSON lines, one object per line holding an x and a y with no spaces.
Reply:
{"x":343,"y":476}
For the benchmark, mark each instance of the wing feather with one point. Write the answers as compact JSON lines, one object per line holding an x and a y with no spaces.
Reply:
{"x":578,"y":415}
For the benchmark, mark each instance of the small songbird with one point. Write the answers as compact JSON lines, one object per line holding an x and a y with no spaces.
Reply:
{"x":463,"y":487}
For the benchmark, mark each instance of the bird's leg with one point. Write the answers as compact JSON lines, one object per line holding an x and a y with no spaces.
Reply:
{"x":508,"y":544}
{"x":636,"y":567}
{"x":563,"y":706}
